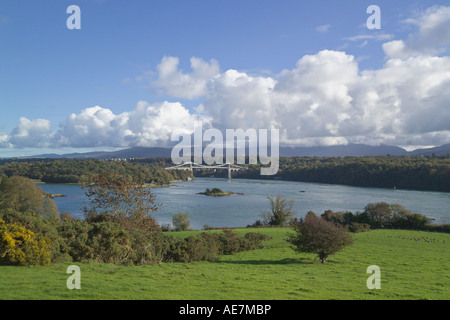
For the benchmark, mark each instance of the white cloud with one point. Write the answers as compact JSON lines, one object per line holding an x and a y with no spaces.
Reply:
{"x":324,"y":99}
{"x":323,"y":28}
{"x":434,"y":28}
{"x":174,"y":82}
{"x":376,"y":37}
{"x":29,"y":133}
{"x":431,"y":38}
{"x":146,"y":125}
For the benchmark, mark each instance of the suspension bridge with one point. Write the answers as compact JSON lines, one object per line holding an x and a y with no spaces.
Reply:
{"x":192,"y":165}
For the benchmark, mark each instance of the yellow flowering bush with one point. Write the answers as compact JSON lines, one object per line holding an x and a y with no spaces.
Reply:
{"x":20,"y":246}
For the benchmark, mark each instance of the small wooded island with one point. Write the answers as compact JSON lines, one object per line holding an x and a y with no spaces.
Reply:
{"x":216,"y":192}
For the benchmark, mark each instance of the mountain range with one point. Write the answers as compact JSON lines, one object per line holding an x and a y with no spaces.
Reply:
{"x":330,"y":151}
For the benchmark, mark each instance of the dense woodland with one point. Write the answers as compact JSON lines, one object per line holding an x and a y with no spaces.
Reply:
{"x":81,"y":170}
{"x":401,"y":172}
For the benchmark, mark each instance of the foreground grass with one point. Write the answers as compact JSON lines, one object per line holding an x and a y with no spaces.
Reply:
{"x":414,"y":265}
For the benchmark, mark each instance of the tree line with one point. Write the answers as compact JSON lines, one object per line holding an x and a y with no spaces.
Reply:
{"x":81,"y":170}
{"x":400,"y":172}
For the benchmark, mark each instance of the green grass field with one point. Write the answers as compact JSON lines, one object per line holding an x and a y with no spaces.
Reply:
{"x":414,"y":265}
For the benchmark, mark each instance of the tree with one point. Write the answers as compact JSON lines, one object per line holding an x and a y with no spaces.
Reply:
{"x":394,"y":216}
{"x":316,"y":235}
{"x":115,"y":198}
{"x":281,"y":211}
{"x":118,"y":199}
{"x":20,"y":194}
{"x":181,"y":221}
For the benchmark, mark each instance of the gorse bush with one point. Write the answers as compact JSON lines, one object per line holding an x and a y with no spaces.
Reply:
{"x":109,"y":242}
{"x":208,"y":246}
{"x":19,"y":246}
{"x":201,"y":248}
{"x":356,"y":227}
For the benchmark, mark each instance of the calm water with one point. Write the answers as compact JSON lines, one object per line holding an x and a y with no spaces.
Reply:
{"x":241,"y":210}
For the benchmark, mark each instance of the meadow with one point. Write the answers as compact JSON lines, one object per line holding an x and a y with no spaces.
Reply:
{"x":414,"y":265}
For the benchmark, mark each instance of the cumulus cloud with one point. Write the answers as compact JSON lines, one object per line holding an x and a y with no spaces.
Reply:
{"x":146,"y":125}
{"x":325,"y":99}
{"x":29,"y":133}
{"x":171,"y":80}
{"x":432,"y":36}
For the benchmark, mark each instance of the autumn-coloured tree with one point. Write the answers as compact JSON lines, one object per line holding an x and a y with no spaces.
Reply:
{"x":316,"y":235}
{"x":118,"y":199}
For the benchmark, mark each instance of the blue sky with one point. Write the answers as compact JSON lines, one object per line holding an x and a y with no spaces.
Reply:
{"x":49,"y":72}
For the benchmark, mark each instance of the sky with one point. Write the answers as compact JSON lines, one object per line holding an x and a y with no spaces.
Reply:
{"x":138,"y":71}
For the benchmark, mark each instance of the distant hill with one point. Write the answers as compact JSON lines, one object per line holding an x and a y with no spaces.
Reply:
{"x":135,"y":152}
{"x":331,"y":151}
{"x":444,"y":149}
{"x":342,"y":151}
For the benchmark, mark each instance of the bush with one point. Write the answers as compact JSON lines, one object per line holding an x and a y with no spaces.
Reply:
{"x":253,"y":241}
{"x":97,"y":242}
{"x":19,"y":246}
{"x":110,"y":243}
{"x":438,"y":228}
{"x":358,"y":227}
{"x":201,"y":248}
{"x":208,"y":246}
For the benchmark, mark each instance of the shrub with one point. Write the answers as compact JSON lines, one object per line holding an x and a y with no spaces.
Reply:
{"x":22,"y":247}
{"x":109,"y":242}
{"x":438,"y":228}
{"x":253,"y":241}
{"x":100,"y":242}
{"x":76,"y":239}
{"x":207,"y":246}
{"x":201,"y":248}
{"x":358,"y":227}
{"x":229,"y":242}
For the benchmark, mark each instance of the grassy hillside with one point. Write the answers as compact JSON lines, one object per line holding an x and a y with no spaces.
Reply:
{"x":414,"y":265}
